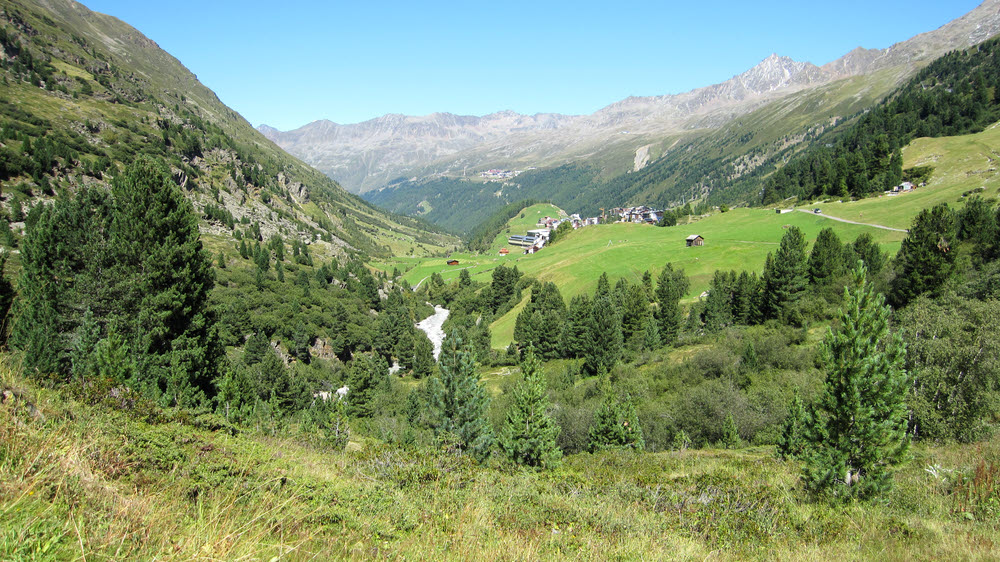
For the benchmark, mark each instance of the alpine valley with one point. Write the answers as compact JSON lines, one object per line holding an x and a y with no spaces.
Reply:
{"x":757,"y":320}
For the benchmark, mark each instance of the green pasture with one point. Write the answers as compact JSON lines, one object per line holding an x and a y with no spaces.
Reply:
{"x":961,"y":164}
{"x":737,"y":240}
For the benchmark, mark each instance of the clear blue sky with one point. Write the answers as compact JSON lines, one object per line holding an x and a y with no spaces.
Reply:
{"x":288,"y":63}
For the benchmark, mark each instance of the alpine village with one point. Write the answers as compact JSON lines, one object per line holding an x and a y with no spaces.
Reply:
{"x":759,"y":321}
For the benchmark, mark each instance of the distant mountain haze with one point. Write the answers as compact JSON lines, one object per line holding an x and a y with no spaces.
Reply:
{"x":371,"y":154}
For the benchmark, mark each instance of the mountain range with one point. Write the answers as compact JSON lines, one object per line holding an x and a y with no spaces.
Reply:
{"x":624,"y":136}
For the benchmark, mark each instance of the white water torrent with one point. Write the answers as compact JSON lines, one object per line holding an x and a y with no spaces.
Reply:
{"x":432,"y":326}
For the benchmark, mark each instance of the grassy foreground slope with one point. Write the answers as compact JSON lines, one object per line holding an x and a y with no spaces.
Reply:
{"x":79,"y":481}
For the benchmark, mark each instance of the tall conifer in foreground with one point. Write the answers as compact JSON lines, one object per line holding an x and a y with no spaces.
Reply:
{"x":858,"y":431}
{"x":134,"y":259}
{"x":529,"y":434}
{"x":458,"y":401}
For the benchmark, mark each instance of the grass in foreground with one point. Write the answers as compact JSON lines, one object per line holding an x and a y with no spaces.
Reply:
{"x":93,"y":482}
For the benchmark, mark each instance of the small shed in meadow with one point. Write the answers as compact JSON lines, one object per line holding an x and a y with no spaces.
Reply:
{"x":695,"y":240}
{"x":452,"y":262}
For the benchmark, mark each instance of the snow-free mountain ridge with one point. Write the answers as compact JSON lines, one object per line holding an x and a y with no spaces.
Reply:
{"x":368,"y":155}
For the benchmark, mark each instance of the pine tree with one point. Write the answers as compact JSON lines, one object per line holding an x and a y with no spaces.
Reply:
{"x":867,"y":250}
{"x":164,"y":278}
{"x":459,"y":401}
{"x":616,"y":425}
{"x":529,"y":434}
{"x":423,"y":355}
{"x":826,"y":260}
{"x":575,"y":338}
{"x":785,"y":273}
{"x":670,"y":288}
{"x":367,"y":377}
{"x":792,"y":442}
{"x":635,"y":311}
{"x":605,"y":348}
{"x":730,"y":434}
{"x":925,"y":259}
{"x":718,"y":306}
{"x":859,"y":429}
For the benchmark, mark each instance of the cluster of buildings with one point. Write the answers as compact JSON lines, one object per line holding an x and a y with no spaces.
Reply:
{"x":901,"y":188}
{"x":536,"y":239}
{"x":495,"y":175}
{"x":639,"y":215}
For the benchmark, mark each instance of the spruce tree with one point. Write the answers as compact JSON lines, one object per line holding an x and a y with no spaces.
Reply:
{"x":458,"y":400}
{"x":858,"y":432}
{"x":529,"y":433}
{"x":616,"y":425}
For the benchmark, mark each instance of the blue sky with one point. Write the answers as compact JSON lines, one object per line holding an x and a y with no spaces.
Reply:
{"x":286,"y":64}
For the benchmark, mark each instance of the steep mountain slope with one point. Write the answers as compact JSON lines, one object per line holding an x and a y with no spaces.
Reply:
{"x":84,"y":93}
{"x":368,"y":155}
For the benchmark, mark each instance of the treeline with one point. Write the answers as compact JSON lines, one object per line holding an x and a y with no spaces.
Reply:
{"x":954,"y":95}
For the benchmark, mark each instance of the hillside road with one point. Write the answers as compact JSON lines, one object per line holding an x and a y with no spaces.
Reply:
{"x":883,"y":227}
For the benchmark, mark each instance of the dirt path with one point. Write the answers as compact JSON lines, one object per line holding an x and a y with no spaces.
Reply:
{"x":883,"y":227}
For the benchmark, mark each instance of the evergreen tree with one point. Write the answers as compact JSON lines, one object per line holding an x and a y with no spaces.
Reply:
{"x":575,"y":338}
{"x":540,"y":322}
{"x":925,"y":259}
{"x":792,"y":442}
{"x":423,"y":355}
{"x":616,"y":425}
{"x":784,"y":276}
{"x":605,"y":348}
{"x":826,"y":260}
{"x":529,"y":433}
{"x":651,"y":334}
{"x":670,"y":288}
{"x":603,"y":286}
{"x":868,"y":251}
{"x":458,"y":400}
{"x":635,"y":312}
{"x":367,"y":377}
{"x":718,"y":306}
{"x":859,"y":429}
{"x":746,"y":299}
{"x":730,"y":434}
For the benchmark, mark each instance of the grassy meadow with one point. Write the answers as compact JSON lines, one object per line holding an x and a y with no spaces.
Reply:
{"x":80,"y":481}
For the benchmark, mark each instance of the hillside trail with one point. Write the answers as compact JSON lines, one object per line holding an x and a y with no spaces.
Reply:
{"x":854,"y":222}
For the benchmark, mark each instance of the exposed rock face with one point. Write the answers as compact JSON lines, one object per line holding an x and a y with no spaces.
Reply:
{"x":368,"y":155}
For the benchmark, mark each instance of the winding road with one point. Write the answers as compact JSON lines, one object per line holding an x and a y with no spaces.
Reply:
{"x":853,"y":222}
